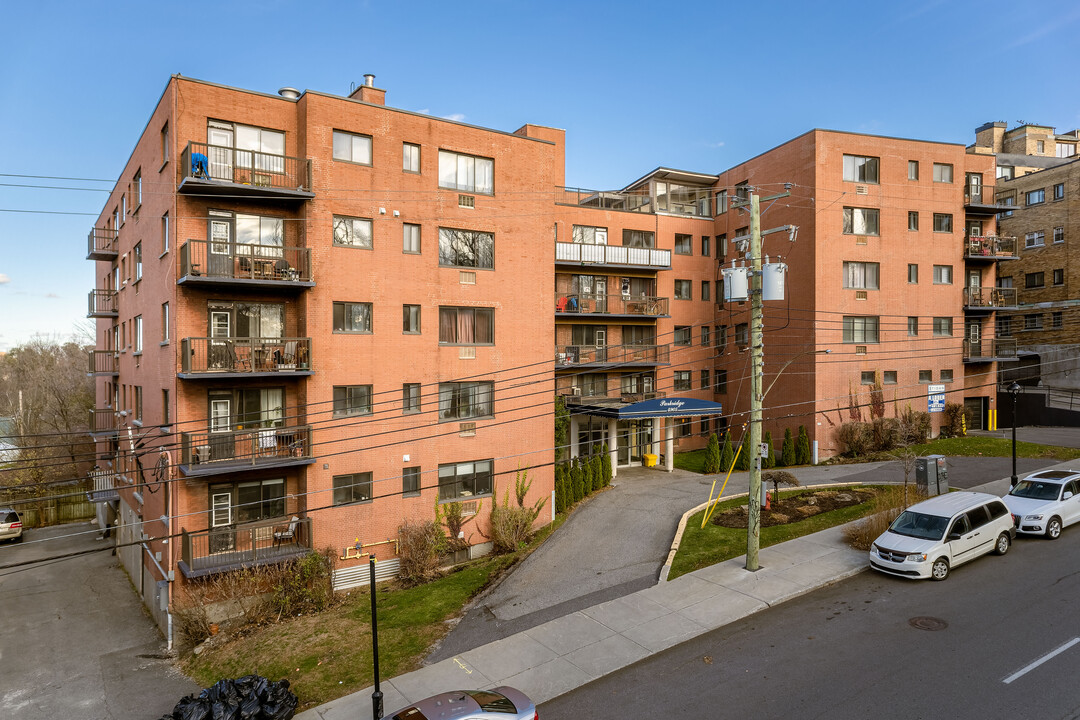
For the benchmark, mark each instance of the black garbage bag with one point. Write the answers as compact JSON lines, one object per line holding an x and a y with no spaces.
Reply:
{"x":251,"y":697}
{"x":192,"y":708}
{"x":280,"y":703}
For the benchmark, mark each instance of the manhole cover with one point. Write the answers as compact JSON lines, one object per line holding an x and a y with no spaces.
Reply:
{"x":928,"y":623}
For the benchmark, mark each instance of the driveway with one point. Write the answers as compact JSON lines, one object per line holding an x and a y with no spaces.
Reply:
{"x":74,"y":640}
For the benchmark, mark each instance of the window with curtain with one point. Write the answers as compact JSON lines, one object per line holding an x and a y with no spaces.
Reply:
{"x":860,"y":329}
{"x":466,"y":326}
{"x":861,"y":221}
{"x":466,"y":400}
{"x":350,"y":317}
{"x":861,"y":169}
{"x":466,"y":172}
{"x":351,"y":147}
{"x":861,"y":275}
{"x":466,"y":248}
{"x":266,"y":148}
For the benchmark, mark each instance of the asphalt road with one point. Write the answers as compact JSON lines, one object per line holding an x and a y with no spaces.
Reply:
{"x":851,"y":651}
{"x":74,"y":640}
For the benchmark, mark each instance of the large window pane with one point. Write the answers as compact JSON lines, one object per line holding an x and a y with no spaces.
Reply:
{"x":466,"y":248}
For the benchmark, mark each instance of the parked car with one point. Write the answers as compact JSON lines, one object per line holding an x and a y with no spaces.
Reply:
{"x":10,"y":525}
{"x":930,"y":538}
{"x":1045,"y":502}
{"x":503,"y":702}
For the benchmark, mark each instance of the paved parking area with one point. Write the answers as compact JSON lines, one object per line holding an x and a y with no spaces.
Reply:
{"x":74,"y":640}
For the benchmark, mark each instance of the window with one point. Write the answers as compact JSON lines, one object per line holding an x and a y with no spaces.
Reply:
{"x":682,"y":380}
{"x":352,"y":400}
{"x":866,"y":377}
{"x":165,"y":406}
{"x":588,"y":235}
{"x":164,"y":322}
{"x":1034,"y":197}
{"x":1006,"y":201}
{"x":943,"y":274}
{"x":1059,"y":235}
{"x":1033,"y":280}
{"x":861,"y":221}
{"x":706,"y":338}
{"x":942,"y":222}
{"x":410,"y":481}
{"x":913,"y":220}
{"x":137,"y":331}
{"x":410,"y":398}
{"x":352,"y":148}
{"x":466,"y":172}
{"x":721,"y":202}
{"x":1006,"y":172}
{"x":136,"y":190}
{"x":861,"y":275}
{"x":913,"y":326}
{"x":913,"y":273}
{"x":165,"y":233}
{"x":1003,"y":326}
{"x":410,"y":239}
{"x":888,"y":377}
{"x":410,"y":158}
{"x":137,"y":414}
{"x":721,"y":381}
{"x":942,"y":173}
{"x":259,"y":500}
{"x":942,"y":327}
{"x":137,"y":253}
{"x":466,"y":326}
{"x":721,"y":245}
{"x":706,"y":250}
{"x":860,"y":329}
{"x":706,"y":290}
{"x":684,"y":244}
{"x":638,"y":238}
{"x":466,"y":400}
{"x":1059,"y":192}
{"x":352,"y":488}
{"x":351,"y":317}
{"x":682,"y":335}
{"x":1059,"y":276}
{"x":1035,"y":239}
{"x":683,"y":289}
{"x":352,"y":232}
{"x":1005,"y":281}
{"x":742,"y":334}
{"x":165,"y":143}
{"x":466,"y":248}
{"x":683,"y":427}
{"x":926,"y":376}
{"x":1056,"y":321}
{"x":123,"y":208}
{"x":704,"y":379}
{"x":945,"y":376}
{"x":467,"y":479}
{"x":912,"y":169}
{"x":720,"y":336}
{"x":410,"y":319}
{"x":1063,"y":150}
{"x":1033,"y":322}
{"x":860,"y":169}
{"x":1040,"y":146}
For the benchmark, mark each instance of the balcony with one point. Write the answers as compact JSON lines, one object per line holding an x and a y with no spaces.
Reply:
{"x":215,"y":170}
{"x":572,"y":396}
{"x":103,"y":423}
{"x":222,"y":549}
{"x":103,"y":362}
{"x":244,"y":265}
{"x":990,"y":248}
{"x":104,"y":486}
{"x":102,"y":244}
{"x":573,"y":356}
{"x":612,"y":256}
{"x":243,"y":357}
{"x":989,"y":350}
{"x":214,"y":453}
{"x":979,"y":200}
{"x":629,"y":202}
{"x":572,"y":304}
{"x":988,"y":299}
{"x":102,"y":304}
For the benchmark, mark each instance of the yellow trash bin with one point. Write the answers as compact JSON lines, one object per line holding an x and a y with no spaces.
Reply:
{"x":650,"y":459}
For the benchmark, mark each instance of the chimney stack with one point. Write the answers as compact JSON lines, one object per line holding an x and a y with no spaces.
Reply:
{"x":368,"y":92}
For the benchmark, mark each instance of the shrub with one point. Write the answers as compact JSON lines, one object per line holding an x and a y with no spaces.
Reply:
{"x":712,"y":456}
{"x":420,"y":545}
{"x":884,"y":433}
{"x":576,"y":481}
{"x":802,"y":448}
{"x":888,"y":503}
{"x":305,"y":584}
{"x":453,"y":516}
{"x":952,"y":420}
{"x":788,"y":453}
{"x":511,"y":525}
{"x":605,"y":464}
{"x":560,"y":488}
{"x":769,"y":459}
{"x":855,"y":437}
{"x":586,"y":477}
{"x":913,"y":426}
{"x":743,"y":461}
{"x":778,"y":478}
{"x":597,"y":473}
{"x":727,"y":454}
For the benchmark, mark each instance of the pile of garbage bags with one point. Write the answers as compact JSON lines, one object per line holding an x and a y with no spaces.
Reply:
{"x":251,"y":697}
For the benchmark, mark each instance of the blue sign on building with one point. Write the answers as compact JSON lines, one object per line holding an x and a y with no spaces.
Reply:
{"x":935,"y":398}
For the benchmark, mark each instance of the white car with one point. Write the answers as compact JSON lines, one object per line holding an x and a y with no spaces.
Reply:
{"x":1045,"y":502}
{"x":934,"y":536}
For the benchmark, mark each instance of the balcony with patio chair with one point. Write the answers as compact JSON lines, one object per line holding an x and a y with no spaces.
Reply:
{"x":244,"y":357}
{"x":240,"y":265}
{"x":217,"y":550}
{"x":227,"y":171}
{"x":227,"y":451}
{"x":617,"y":306}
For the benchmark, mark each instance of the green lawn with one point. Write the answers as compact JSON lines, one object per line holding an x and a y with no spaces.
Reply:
{"x":975,"y":445}
{"x":701,"y":547}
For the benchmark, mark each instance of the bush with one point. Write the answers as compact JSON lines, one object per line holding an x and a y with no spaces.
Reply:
{"x":597,"y":473}
{"x":913,"y":426}
{"x":587,"y":476}
{"x":453,"y":515}
{"x":605,"y":464}
{"x":884,"y":433}
{"x":743,"y":461}
{"x":560,"y":488}
{"x":778,"y":478}
{"x":420,"y":545}
{"x":712,"y":456}
{"x":787,"y":455}
{"x":802,"y":448}
{"x":511,"y":525}
{"x":855,"y":437}
{"x":952,"y":420}
{"x":727,"y":454}
{"x":305,"y":584}
{"x":576,"y":480}
{"x":769,"y":459}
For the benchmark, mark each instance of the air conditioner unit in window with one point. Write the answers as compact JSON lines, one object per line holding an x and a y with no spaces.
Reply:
{"x":575,"y":390}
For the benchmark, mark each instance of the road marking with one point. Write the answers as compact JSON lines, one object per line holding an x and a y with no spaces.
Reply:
{"x":1048,"y":656}
{"x":462,"y":665}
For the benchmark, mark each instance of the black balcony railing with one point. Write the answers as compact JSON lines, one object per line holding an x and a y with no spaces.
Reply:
{"x":571,"y":355}
{"x":245,"y":355}
{"x":257,"y":173}
{"x":101,"y":303}
{"x":102,"y":244}
{"x":989,"y":349}
{"x":228,"y":548}
{"x":270,"y":264}
{"x":245,"y":446}
{"x":990,"y":246}
{"x":989,"y":297}
{"x":595,"y":304}
{"x":103,"y":362}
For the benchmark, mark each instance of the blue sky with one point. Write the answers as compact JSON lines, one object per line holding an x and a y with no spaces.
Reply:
{"x":693,"y":85}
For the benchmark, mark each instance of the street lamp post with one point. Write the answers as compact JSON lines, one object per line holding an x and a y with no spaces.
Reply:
{"x":1014,"y":390}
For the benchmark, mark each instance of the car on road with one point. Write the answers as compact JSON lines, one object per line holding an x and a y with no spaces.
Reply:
{"x":930,"y":538}
{"x":1045,"y":502}
{"x":10,"y":525}
{"x":502,"y":702}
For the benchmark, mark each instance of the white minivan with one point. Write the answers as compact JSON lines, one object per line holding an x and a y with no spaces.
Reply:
{"x":934,"y":536}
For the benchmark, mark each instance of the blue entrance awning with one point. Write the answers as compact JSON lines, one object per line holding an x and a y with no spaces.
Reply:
{"x":655,"y":408}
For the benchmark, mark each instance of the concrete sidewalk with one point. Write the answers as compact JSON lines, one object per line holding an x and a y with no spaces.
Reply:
{"x":568,"y":652}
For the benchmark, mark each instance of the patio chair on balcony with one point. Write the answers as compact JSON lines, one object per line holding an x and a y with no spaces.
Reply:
{"x":200,"y":166}
{"x":288,"y":533}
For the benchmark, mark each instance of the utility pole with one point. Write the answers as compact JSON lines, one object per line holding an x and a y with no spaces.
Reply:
{"x":757,"y":354}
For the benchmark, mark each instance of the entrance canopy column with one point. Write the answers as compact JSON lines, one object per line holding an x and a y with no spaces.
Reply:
{"x":613,"y":445}
{"x":669,"y":446}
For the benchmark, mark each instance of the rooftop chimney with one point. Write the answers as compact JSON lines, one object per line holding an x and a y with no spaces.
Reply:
{"x":369,"y":80}
{"x":368,"y":92}
{"x":289,"y":93}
